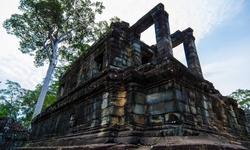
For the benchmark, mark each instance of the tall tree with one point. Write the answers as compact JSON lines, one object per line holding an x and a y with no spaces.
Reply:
{"x":50,"y":30}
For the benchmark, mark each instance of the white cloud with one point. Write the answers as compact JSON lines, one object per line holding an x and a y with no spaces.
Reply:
{"x":21,"y":70}
{"x":226,"y":56}
{"x":229,"y":74}
{"x":202,"y":16}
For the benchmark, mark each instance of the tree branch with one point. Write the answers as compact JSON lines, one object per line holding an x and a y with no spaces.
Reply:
{"x":61,"y":38}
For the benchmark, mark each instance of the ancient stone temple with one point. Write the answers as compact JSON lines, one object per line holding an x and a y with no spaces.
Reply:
{"x":122,"y":93}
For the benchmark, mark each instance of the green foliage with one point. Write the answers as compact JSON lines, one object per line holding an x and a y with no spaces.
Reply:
{"x":19,"y":103}
{"x":69,"y":56}
{"x":29,"y":101}
{"x":243,"y":98}
{"x":10,"y":99}
{"x":3,"y":110}
{"x":43,"y":23}
{"x":115,"y":19}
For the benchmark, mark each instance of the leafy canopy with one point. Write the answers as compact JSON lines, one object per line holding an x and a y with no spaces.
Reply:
{"x":19,"y":103}
{"x":44,"y":23}
{"x":243,"y":97}
{"x":11,"y":99}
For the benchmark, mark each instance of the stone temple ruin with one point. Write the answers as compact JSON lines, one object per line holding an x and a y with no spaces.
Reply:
{"x":12,"y":134}
{"x":123,"y":93}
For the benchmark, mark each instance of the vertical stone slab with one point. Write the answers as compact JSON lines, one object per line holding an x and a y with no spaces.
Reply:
{"x":191,"y":53}
{"x":135,"y":107}
{"x":136,"y":49}
{"x":106,"y":55}
{"x":162,"y":33}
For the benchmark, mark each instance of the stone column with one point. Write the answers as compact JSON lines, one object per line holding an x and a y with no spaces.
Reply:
{"x":162,"y":33}
{"x":191,"y":53}
{"x":135,"y":107}
{"x":136,"y":49}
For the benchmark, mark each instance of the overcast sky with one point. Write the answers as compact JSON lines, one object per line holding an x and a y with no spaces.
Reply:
{"x":221,"y":28}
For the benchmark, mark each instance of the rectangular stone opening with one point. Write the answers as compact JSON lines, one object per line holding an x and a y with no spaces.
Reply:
{"x":146,"y":53}
{"x":62,"y":90}
{"x":72,"y":121}
{"x":99,"y":63}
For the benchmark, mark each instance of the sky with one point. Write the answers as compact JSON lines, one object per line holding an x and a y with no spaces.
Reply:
{"x":221,"y":29}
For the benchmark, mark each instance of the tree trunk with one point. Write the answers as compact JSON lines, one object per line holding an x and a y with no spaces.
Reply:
{"x":44,"y":90}
{"x":52,"y":66}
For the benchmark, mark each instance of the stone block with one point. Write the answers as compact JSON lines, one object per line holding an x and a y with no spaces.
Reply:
{"x":192,"y":101}
{"x":177,"y":86}
{"x":154,"y":98}
{"x":106,"y":112}
{"x":127,"y":140}
{"x":199,"y":111}
{"x":96,"y":114}
{"x":139,"y":119}
{"x":198,"y":103}
{"x":191,"y":94}
{"x":95,"y":123}
{"x":198,"y":95}
{"x":153,"y":90}
{"x":129,"y":118}
{"x":193,"y":110}
{"x":189,"y":118}
{"x":160,"y":97}
{"x":205,"y":104}
{"x":114,"y":67}
{"x":139,"y":109}
{"x":156,"y":119}
{"x":98,"y":105}
{"x":209,"y":105}
{"x":113,"y":110}
{"x":204,"y":97}
{"x":162,"y":108}
{"x":204,"y":120}
{"x":105,"y":120}
{"x":136,"y":47}
{"x":182,"y":107}
{"x":152,"y":133}
{"x":130,"y":133}
{"x":140,"y":98}
{"x":173,"y":118}
{"x":118,"y":102}
{"x":116,"y":120}
{"x":105,"y":95}
{"x":179,"y":95}
{"x":206,"y":113}
{"x":104,"y":103}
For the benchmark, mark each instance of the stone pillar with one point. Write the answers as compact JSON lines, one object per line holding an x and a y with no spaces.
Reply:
{"x":136,"y":49}
{"x":191,"y":53}
{"x":135,"y":108}
{"x":162,"y":33}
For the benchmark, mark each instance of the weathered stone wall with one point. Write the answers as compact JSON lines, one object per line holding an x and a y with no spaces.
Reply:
{"x":166,"y":100}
